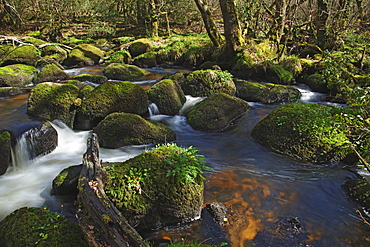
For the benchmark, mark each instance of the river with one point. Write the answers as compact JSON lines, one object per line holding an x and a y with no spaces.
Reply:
{"x":260,"y":186}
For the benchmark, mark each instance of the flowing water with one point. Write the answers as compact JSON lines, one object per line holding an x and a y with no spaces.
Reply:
{"x":261,"y":187}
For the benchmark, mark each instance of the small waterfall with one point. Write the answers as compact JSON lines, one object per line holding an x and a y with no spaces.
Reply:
{"x":308,"y":96}
{"x":21,"y":153}
{"x":189,"y":104}
{"x":28,"y":182}
{"x":153,"y":110}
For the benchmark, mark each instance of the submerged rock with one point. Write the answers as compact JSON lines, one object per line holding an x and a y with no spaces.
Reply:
{"x":168,"y":96}
{"x":5,"y":151}
{"x":303,"y":131}
{"x":267,"y":93}
{"x":53,"y":101}
{"x":216,"y":112}
{"x":17,"y":75}
{"x":113,"y":96}
{"x":124,"y":129}
{"x":202,"y":83}
{"x":158,"y":188}
{"x":35,"y":226}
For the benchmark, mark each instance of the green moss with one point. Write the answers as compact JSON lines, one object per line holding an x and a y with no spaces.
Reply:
{"x":5,"y":136}
{"x":17,"y":75}
{"x":97,"y":79}
{"x":50,"y":73}
{"x":122,"y":56}
{"x":26,"y":54}
{"x":117,"y":71}
{"x":34,"y":41}
{"x":35,"y":226}
{"x":140,"y":46}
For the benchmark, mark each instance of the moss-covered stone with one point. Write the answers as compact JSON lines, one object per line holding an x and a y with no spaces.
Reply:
{"x":168,"y":96}
{"x":216,"y":112}
{"x":5,"y":49}
{"x":113,"y":96}
{"x":267,"y":93}
{"x":140,"y":46}
{"x":303,"y":131}
{"x":35,"y":226}
{"x":146,"y":60}
{"x":359,"y":191}
{"x":65,"y":183}
{"x":122,"y":56}
{"x":317,"y":83}
{"x":84,"y":55}
{"x":96,"y":79}
{"x":117,"y":71}
{"x":84,"y":91}
{"x":205,"y":82}
{"x":178,"y":76}
{"x":157,"y":188}
{"x":53,"y":101}
{"x":50,"y":73}
{"x":5,"y":151}
{"x":17,"y":75}
{"x":34,"y":41}
{"x":54,"y":52}
{"x":26,"y":54}
{"x":124,"y":129}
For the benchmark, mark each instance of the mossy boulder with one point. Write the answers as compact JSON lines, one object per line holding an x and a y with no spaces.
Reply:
{"x":317,"y":83}
{"x":96,"y":79}
{"x":125,"y":129}
{"x":122,"y":56}
{"x":84,"y":91}
{"x":358,"y":189}
{"x":50,"y":73}
{"x":53,"y":101}
{"x":146,"y":60}
{"x":5,"y":49}
{"x":84,"y":55}
{"x":140,"y":46}
{"x":26,"y":54}
{"x":17,"y":75}
{"x":178,"y":76}
{"x":34,"y":41}
{"x":65,"y":183}
{"x":267,"y":93}
{"x":202,"y":83}
{"x":113,"y":96}
{"x":303,"y":131}
{"x":54,"y":52}
{"x":168,"y":96}
{"x":117,"y":71}
{"x":158,"y":188}
{"x":36,"y":226}
{"x":5,"y":151}
{"x":216,"y":112}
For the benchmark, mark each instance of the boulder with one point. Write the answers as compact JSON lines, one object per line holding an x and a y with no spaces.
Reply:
{"x":113,"y":96}
{"x":54,"y":52}
{"x":50,"y":73}
{"x":267,"y":93}
{"x":157,"y":188}
{"x":202,"y":83}
{"x":118,"y":71}
{"x":216,"y":112}
{"x":36,"y":226}
{"x":125,"y":129}
{"x":168,"y":96}
{"x":12,"y":91}
{"x":303,"y":131}
{"x":5,"y":49}
{"x":84,"y":55}
{"x":5,"y":151}
{"x":140,"y":46}
{"x":317,"y":83}
{"x":146,"y":60}
{"x":96,"y":79}
{"x":17,"y":75}
{"x":54,"y":101}
{"x":26,"y":54}
{"x":66,"y":181}
{"x":122,"y":56}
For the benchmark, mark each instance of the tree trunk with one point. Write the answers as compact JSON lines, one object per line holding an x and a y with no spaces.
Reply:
{"x":233,"y":34}
{"x":153,"y":19}
{"x":322,"y":17}
{"x":209,"y":22}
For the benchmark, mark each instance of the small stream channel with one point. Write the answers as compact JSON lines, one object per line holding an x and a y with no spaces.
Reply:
{"x":262,"y":187}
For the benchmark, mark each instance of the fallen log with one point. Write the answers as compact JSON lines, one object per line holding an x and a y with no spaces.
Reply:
{"x":100,"y":220}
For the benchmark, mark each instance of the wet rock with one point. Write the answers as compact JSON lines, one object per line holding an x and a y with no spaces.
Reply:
{"x":35,"y":226}
{"x":53,"y":101}
{"x":17,"y":75}
{"x":117,"y":71}
{"x":202,"y":83}
{"x":267,"y":93}
{"x":67,"y":180}
{"x":96,"y":79}
{"x":146,"y":60}
{"x":317,"y":83}
{"x":216,"y":112}
{"x":84,"y":55}
{"x":124,"y":129}
{"x":5,"y":151}
{"x":26,"y":54}
{"x":168,"y":96}
{"x":50,"y":73}
{"x":114,"y":96}
{"x":218,"y":212}
{"x":12,"y":91}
